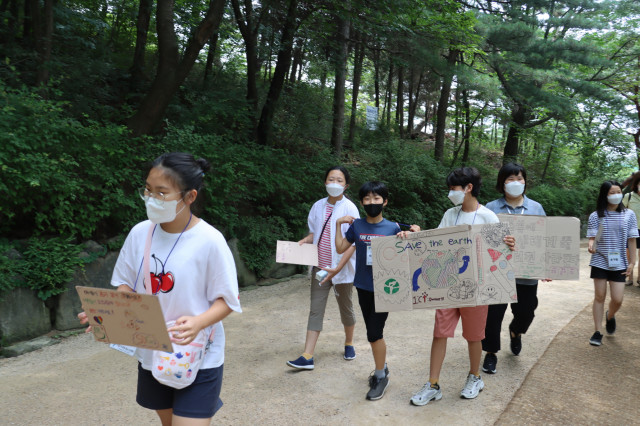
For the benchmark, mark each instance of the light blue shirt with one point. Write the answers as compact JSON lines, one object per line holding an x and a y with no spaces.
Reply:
{"x":528,"y":207}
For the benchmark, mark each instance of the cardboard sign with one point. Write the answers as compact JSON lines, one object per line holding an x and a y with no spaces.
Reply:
{"x":125,"y":318}
{"x":546,"y":247}
{"x":444,"y":268}
{"x":292,"y":252}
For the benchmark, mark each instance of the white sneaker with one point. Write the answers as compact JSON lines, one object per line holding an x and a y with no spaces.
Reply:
{"x":426,"y":394}
{"x":473,"y":387}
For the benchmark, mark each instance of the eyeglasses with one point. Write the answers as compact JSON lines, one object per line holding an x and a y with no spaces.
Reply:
{"x":158,"y":197}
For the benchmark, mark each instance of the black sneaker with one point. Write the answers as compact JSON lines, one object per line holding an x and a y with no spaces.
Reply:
{"x":490,"y":362}
{"x":377,"y":386}
{"x":596,"y":339}
{"x":610,"y":324}
{"x":516,"y":343}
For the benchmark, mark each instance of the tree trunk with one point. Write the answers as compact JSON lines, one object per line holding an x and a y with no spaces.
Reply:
{"x":142,"y":30}
{"x":297,"y":61}
{"x":413,"y":104}
{"x":388,"y":95}
{"x":518,"y":119}
{"x":443,"y":105}
{"x":45,"y":43}
{"x":265,"y":126}
{"x":171,"y":69}
{"x":400,"y":101}
{"x":376,"y":76}
{"x":249,"y":32}
{"x":467,"y":127}
{"x":213,"y":56}
{"x":338,"y":91}
{"x":29,"y":23}
{"x":357,"y":74}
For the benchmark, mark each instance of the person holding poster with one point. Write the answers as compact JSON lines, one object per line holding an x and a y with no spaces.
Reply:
{"x":373,"y":197}
{"x":632,"y":202}
{"x":464,"y":187}
{"x":512,"y":182}
{"x":612,"y":227}
{"x":340,"y":268}
{"x":194,"y":277}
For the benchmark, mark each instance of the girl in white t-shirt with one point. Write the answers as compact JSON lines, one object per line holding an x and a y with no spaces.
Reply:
{"x":194,"y":277}
{"x":340,"y":268}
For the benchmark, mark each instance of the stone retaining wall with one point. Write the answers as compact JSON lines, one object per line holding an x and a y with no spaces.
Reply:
{"x":24,"y":316}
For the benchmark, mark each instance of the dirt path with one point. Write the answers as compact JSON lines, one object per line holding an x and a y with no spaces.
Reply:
{"x":80,"y":381}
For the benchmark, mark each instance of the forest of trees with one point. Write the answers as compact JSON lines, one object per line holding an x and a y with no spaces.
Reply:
{"x":272,"y":92}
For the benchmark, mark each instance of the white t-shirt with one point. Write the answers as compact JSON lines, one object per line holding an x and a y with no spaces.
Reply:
{"x":455,"y":216}
{"x":316,"y":220}
{"x":203,"y":270}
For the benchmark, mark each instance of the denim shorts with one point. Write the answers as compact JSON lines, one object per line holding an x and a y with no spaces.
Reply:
{"x":199,"y":400}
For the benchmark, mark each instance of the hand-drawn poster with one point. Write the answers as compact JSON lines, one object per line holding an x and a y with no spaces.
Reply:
{"x":131,"y":319}
{"x":443,"y":268}
{"x":292,"y":252}
{"x":546,"y":246}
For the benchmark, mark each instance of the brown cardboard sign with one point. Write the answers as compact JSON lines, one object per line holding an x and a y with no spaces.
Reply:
{"x":125,"y":318}
{"x":546,"y":246}
{"x":443,"y":268}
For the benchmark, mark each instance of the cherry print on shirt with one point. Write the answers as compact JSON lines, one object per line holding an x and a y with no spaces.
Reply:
{"x":163,"y":281}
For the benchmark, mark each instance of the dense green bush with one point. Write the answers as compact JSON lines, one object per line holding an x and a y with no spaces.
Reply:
{"x":48,"y":264}
{"x":417,"y":183}
{"x":61,"y":176}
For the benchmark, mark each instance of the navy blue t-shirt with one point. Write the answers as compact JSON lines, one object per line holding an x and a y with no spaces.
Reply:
{"x":362,"y":232}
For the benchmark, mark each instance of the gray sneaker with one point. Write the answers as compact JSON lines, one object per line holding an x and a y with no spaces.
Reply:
{"x":426,"y":394}
{"x":377,"y":386}
{"x":473,"y":387}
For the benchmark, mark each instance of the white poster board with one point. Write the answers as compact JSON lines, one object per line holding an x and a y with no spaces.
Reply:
{"x":546,"y":246}
{"x":292,"y":252}
{"x":444,"y":268}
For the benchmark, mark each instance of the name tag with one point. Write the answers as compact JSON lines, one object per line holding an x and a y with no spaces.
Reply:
{"x":369,"y":256}
{"x":129,"y":350}
{"x":615,"y":260}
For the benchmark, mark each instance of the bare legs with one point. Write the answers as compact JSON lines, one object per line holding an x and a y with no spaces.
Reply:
{"x":600,"y":288}
{"x":169,"y":419}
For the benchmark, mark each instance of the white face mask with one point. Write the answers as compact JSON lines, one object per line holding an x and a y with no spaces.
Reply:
{"x":162,"y":213}
{"x":334,"y":189}
{"x":515,"y":189}
{"x":614,"y":199}
{"x":456,"y":197}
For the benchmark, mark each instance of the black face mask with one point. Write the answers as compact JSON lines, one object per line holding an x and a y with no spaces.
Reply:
{"x":372,"y":210}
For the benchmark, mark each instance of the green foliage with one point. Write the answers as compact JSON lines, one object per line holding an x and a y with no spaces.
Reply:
{"x":251,"y":192}
{"x":48,"y":264}
{"x":578,"y":201}
{"x":416,"y":182}
{"x":8,"y":267}
{"x":62,"y":176}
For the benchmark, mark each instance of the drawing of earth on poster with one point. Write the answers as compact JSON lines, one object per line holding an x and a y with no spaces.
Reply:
{"x":442,"y":274}
{"x":447,"y":267}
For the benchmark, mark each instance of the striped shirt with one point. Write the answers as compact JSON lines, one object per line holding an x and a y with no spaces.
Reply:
{"x":324,"y":244}
{"x":617,"y":228}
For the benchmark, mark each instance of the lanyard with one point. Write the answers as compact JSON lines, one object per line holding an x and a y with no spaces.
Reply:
{"x":514,"y":210}
{"x":474,"y":215}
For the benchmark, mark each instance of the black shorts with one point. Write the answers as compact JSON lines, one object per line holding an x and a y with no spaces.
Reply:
{"x":605,"y":274}
{"x":374,"y":321}
{"x":199,"y":400}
